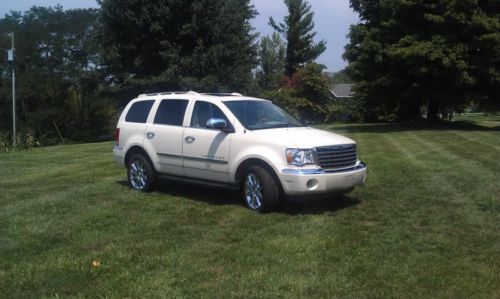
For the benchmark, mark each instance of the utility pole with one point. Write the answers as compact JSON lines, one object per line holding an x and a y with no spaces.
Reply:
{"x":11,"y":59}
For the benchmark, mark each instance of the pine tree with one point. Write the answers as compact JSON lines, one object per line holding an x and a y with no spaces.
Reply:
{"x":297,"y":29}
{"x":435,"y":55}
{"x":196,"y":44}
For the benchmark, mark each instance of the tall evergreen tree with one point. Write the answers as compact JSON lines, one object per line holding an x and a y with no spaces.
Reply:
{"x":205,"y":44}
{"x":406,"y":55}
{"x":297,"y":28}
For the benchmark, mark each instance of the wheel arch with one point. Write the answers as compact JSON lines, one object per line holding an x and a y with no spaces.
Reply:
{"x":135,"y":149}
{"x":240,"y":171}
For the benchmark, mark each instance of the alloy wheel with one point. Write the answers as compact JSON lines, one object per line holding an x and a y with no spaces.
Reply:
{"x":253,"y":191}
{"x":138,"y":175}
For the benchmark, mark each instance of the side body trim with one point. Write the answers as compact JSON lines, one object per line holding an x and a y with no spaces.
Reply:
{"x":193,"y":158}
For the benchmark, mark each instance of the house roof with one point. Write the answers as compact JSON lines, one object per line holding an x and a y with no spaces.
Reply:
{"x":342,"y":90}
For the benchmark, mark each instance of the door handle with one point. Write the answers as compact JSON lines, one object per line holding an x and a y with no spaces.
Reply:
{"x":150,"y":135}
{"x":189,"y":139}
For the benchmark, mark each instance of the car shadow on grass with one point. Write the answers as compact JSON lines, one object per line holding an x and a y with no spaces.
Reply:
{"x":317,"y":204}
{"x":215,"y":196}
{"x":219,"y":196}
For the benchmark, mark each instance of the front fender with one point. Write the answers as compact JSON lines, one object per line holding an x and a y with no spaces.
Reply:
{"x":270,"y":157}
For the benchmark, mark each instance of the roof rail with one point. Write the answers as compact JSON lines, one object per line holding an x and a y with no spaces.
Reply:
{"x":223,"y":94}
{"x":167,"y":93}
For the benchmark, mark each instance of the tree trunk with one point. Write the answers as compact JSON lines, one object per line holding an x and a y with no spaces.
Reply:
{"x":432,"y":111}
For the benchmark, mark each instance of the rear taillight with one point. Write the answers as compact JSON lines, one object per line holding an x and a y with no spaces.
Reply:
{"x":116,"y":136}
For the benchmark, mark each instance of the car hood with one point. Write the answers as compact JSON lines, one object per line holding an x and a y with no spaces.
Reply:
{"x":304,"y":137}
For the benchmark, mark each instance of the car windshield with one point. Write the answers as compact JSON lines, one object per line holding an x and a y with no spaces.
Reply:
{"x":259,"y":115}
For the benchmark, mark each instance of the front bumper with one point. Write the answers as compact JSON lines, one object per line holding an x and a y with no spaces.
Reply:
{"x":297,"y":181}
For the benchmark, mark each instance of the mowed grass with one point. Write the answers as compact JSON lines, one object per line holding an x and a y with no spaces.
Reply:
{"x":489,"y":120}
{"x":427,"y":224}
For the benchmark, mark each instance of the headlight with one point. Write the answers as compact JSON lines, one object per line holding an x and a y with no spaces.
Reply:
{"x":299,"y":157}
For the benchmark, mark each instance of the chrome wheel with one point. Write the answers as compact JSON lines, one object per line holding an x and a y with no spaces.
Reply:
{"x":138,"y":175}
{"x":253,"y":191}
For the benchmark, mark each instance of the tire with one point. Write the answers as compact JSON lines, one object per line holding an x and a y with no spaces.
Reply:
{"x":140,"y":173}
{"x":260,"y":190}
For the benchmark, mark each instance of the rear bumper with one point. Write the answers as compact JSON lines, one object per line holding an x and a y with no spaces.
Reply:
{"x":320,"y":181}
{"x":118,"y":155}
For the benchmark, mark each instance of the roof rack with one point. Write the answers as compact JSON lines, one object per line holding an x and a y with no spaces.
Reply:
{"x":167,"y":93}
{"x":222,"y":94}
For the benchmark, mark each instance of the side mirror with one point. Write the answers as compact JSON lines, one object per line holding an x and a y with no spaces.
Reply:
{"x":218,"y":124}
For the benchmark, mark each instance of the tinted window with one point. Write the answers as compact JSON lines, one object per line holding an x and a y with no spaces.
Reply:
{"x":203,"y":111}
{"x":171,"y":112}
{"x":139,"y":112}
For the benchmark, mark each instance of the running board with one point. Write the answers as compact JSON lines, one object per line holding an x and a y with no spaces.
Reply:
{"x":199,"y":182}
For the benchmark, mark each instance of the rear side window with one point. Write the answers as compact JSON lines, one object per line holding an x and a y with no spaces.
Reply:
{"x":139,"y":111}
{"x":171,"y":112}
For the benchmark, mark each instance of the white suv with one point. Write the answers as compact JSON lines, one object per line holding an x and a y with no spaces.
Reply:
{"x":233,"y":141}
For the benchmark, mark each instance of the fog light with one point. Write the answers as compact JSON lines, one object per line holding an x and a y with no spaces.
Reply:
{"x":312,"y":184}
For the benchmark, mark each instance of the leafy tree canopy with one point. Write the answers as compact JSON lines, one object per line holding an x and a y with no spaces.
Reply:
{"x":305,"y":94}
{"x":57,"y":60}
{"x":340,"y":77}
{"x":272,"y":53}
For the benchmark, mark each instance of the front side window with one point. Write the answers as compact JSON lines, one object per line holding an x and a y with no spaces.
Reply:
{"x":139,"y":111}
{"x":171,"y":112}
{"x":203,"y":111}
{"x":259,"y":115}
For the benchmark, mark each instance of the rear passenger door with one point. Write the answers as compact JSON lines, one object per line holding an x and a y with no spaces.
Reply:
{"x":164,"y":136}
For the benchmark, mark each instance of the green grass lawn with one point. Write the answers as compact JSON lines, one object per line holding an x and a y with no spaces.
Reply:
{"x":490,"y":120}
{"x":427,"y":224}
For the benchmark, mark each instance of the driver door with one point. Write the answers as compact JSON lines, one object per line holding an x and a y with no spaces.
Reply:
{"x":206,"y":151}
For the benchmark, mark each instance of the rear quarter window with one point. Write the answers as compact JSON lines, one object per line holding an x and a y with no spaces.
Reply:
{"x":139,"y":111}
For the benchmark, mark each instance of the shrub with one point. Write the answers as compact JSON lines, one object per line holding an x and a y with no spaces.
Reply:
{"x":299,"y":107}
{"x":345,"y":110}
{"x":24,"y":140}
{"x":305,"y":94}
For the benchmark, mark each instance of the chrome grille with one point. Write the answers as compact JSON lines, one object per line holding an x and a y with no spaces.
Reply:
{"x":337,"y":156}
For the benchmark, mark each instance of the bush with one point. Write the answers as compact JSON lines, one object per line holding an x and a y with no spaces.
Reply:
{"x":24,"y":140}
{"x":305,"y":94}
{"x":299,"y":107}
{"x":345,"y":110}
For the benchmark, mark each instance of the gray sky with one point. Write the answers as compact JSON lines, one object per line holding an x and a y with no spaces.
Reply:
{"x":332,"y":19}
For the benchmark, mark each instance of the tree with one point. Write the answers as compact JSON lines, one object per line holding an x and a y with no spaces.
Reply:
{"x":297,"y":29}
{"x":305,"y":94}
{"x":409,"y":55}
{"x":57,"y":61}
{"x":312,"y":83}
{"x":340,"y":77}
{"x":201,"y":44}
{"x":272,"y":53}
